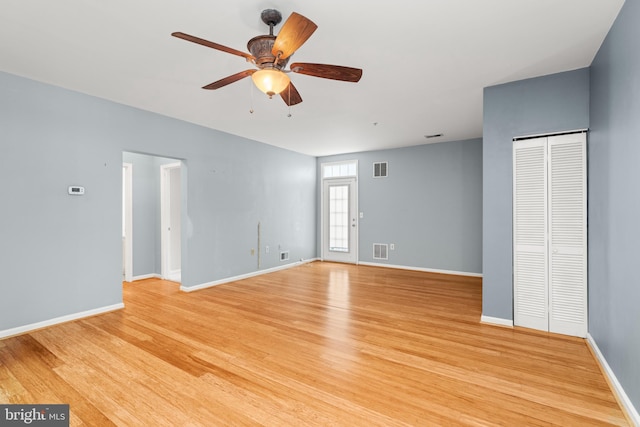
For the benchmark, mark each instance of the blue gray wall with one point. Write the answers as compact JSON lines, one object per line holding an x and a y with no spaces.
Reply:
{"x":430,"y":205}
{"x":558,"y":102}
{"x":614,"y":200}
{"x":62,"y":254}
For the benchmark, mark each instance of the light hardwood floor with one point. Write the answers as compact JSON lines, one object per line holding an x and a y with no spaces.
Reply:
{"x":320,"y":344}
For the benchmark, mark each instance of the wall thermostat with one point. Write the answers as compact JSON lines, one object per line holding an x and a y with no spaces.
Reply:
{"x":76,"y":190}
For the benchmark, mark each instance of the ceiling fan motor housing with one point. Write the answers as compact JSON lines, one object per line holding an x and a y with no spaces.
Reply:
{"x":260,"y":47}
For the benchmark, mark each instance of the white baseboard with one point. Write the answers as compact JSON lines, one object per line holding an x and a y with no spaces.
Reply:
{"x":496,"y":321}
{"x":55,"y":321}
{"x":146,"y":276}
{"x":244,"y":276}
{"x":617,"y":387}
{"x":426,"y":270}
{"x":175,"y":276}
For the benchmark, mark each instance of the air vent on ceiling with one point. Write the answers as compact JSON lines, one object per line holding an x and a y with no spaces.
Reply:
{"x":380,"y":251}
{"x":380,"y":169}
{"x":435,"y":135}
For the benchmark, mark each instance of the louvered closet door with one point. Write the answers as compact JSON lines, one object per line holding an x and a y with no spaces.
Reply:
{"x":530,"y":234}
{"x":568,"y":235}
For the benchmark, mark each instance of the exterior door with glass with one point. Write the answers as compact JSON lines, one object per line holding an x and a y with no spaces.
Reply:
{"x":340,"y":220}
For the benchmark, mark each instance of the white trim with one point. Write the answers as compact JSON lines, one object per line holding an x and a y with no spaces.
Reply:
{"x":244,"y":276}
{"x":496,"y":321}
{"x":426,"y":270}
{"x":128,"y":221}
{"x":617,"y":387}
{"x":57,"y":320}
{"x":147,"y":276}
{"x":539,"y":135}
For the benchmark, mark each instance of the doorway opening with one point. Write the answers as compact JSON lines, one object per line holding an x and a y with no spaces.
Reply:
{"x":151,"y":216}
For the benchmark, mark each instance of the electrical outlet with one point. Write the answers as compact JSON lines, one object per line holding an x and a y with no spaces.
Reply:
{"x":266,"y":249}
{"x":392,"y":246}
{"x":253,"y":251}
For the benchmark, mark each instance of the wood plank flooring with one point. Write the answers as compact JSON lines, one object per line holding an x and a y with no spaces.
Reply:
{"x":317,"y":345}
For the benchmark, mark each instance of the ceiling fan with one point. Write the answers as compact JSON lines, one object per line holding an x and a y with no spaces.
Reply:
{"x":270,"y":54}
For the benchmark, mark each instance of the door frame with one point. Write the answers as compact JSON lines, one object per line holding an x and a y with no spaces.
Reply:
{"x":353,"y":238}
{"x":165,"y":209}
{"x":549,"y":320}
{"x":127,"y":198}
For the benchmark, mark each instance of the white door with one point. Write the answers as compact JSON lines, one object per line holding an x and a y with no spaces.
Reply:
{"x":568,"y":235}
{"x":550,"y":234}
{"x":530,"y":267}
{"x":340,"y":220}
{"x":170,"y":221}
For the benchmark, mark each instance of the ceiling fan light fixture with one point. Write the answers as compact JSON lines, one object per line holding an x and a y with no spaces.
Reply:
{"x":270,"y":81}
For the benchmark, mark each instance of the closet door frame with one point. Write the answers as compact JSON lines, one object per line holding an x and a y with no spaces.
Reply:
{"x":550,"y":257}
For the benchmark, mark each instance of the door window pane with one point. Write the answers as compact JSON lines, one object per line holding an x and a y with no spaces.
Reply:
{"x":339,"y":218}
{"x":340,"y":170}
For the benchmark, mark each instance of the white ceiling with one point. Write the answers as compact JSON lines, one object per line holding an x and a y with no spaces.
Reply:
{"x":425,"y":62}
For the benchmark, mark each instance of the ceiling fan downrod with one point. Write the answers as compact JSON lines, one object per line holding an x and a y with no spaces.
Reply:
{"x":271,"y":17}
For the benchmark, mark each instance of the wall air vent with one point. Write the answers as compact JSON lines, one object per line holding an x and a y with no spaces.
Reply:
{"x":380,"y":251}
{"x":284,"y":256}
{"x":380,"y":169}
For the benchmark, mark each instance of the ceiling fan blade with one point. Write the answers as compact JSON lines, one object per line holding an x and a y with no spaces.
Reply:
{"x":334,"y":72}
{"x":212,"y":45}
{"x":229,"y":79}
{"x":295,"y":31}
{"x":290,"y":95}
